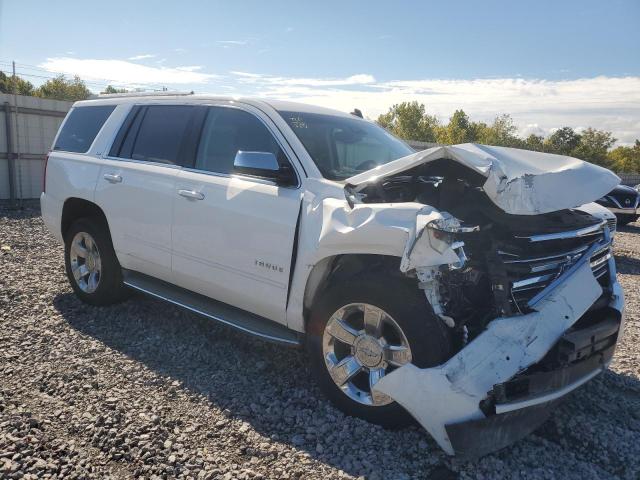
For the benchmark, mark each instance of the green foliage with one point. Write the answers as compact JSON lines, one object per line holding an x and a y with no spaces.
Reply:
{"x":625,"y":159}
{"x":501,"y":132}
{"x":593,"y":146}
{"x":534,"y":142}
{"x":60,"y":88}
{"x":10,"y":84}
{"x":112,"y":89}
{"x":458,"y":130}
{"x":409,"y":120}
{"x":563,"y":141}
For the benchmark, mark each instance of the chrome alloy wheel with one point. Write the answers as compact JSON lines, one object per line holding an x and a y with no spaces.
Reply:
{"x":362,"y":343}
{"x":84,"y":258}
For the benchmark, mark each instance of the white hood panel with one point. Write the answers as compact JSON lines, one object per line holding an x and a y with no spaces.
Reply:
{"x":520,"y":182}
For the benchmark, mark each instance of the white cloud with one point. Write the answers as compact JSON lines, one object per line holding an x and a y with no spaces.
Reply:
{"x":609,"y":103}
{"x":537,"y":106}
{"x":122,"y":72}
{"x":232,"y":42}
{"x":142,"y":57}
{"x":256,"y":78}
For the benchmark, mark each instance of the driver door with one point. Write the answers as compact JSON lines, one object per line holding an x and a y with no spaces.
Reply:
{"x":233,"y":235}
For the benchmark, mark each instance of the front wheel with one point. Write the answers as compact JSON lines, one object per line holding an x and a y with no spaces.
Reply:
{"x":361,"y":330}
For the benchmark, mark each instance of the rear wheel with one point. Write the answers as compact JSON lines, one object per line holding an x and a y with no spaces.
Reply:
{"x":92,"y":267}
{"x":361,"y":330}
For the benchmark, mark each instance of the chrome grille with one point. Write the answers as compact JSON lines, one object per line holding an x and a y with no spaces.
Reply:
{"x":537,"y":260}
{"x":612,"y":223}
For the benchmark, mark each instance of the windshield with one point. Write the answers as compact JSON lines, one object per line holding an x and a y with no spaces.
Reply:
{"x":342,"y":147}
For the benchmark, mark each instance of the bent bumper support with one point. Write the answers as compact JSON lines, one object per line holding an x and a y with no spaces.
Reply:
{"x":446,"y":400}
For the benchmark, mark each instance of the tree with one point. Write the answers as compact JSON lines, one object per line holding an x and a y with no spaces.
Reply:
{"x":10,"y":84}
{"x":112,"y":89}
{"x":593,"y":146}
{"x":409,"y":120}
{"x":625,"y":159}
{"x":563,"y":141}
{"x":59,"y":88}
{"x":501,"y":132}
{"x":458,"y":130}
{"x":534,"y":142}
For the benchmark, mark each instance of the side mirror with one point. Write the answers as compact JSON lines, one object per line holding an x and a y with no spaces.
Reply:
{"x":263,"y":164}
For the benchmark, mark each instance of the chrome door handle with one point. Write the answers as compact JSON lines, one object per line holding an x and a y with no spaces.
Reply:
{"x":191,"y":194}
{"x":112,"y":178}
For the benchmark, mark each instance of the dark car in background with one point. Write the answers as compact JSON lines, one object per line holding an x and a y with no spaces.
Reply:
{"x":624,"y":202}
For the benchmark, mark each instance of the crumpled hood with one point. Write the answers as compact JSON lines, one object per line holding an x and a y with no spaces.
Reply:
{"x":520,"y":182}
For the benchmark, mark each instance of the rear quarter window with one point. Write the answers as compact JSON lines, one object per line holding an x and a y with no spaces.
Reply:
{"x":81,"y":127}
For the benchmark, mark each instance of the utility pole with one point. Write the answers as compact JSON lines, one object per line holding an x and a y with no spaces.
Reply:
{"x":18,"y":157}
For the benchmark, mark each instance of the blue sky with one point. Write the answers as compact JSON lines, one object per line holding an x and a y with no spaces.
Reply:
{"x":547,"y":63}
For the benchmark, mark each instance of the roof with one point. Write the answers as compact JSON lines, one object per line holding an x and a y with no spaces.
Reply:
{"x":279,"y":105}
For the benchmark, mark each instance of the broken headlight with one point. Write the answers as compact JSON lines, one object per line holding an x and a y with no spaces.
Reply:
{"x":443,"y":233}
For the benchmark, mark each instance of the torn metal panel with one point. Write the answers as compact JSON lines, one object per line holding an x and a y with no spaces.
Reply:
{"x":520,"y":182}
{"x":329,"y":227}
{"x":451,"y":393}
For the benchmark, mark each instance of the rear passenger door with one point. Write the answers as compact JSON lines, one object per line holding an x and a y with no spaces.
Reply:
{"x":233,"y":235}
{"x":136,"y":185}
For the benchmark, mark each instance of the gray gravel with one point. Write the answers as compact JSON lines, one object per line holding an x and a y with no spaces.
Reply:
{"x":143,"y":389}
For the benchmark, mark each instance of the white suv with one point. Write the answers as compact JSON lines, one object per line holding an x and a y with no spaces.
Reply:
{"x":460,"y":285}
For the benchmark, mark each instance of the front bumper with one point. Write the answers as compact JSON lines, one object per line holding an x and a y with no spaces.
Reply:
{"x":621,"y":207}
{"x":515,"y":408}
{"x":624,"y":211}
{"x":476,"y":402}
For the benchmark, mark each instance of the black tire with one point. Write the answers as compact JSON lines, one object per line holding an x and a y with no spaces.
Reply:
{"x":110,"y":287}
{"x":427,"y":335}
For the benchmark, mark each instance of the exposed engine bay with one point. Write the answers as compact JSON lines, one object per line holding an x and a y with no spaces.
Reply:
{"x":504,"y":246}
{"x":505,"y":259}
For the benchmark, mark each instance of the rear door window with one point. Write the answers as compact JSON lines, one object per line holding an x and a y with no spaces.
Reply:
{"x":81,"y":127}
{"x":158,"y":133}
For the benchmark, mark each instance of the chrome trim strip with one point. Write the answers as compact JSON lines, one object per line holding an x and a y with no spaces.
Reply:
{"x":601,"y":260}
{"x":582,"y":232}
{"x":530,"y":281}
{"x":510,"y":407}
{"x":561,"y":255}
{"x":625,"y":211}
{"x":213,"y":317}
{"x":568,"y":273}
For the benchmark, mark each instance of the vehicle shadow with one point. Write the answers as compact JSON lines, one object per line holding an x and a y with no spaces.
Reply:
{"x":270,"y":387}
{"x":630,"y":228}
{"x":627,"y":265}
{"x":29,"y":210}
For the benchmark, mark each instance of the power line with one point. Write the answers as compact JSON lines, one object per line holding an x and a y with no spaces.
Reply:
{"x":91,"y":81}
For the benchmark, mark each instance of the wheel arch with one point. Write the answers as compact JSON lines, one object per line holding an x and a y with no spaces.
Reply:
{"x":75,"y":208}
{"x":342,"y":266}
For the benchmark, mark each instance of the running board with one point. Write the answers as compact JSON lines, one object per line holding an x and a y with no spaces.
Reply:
{"x":218,"y":311}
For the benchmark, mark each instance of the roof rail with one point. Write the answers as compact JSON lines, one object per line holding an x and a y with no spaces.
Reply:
{"x":144,"y":94}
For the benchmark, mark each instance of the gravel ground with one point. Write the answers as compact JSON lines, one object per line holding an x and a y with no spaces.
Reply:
{"x":145,"y":389}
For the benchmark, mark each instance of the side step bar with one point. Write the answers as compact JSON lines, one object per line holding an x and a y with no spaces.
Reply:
{"x":218,"y":311}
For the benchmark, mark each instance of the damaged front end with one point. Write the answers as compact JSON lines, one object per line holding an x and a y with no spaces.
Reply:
{"x":530,"y":296}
